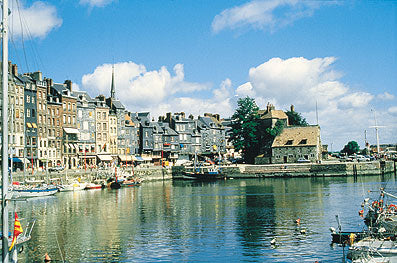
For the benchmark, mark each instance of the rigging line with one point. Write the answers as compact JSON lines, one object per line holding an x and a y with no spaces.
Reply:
{"x":23,"y":44}
{"x":59,"y":247}
{"x":35,"y":52}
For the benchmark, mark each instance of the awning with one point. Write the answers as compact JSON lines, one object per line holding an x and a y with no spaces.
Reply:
{"x":66,"y":145}
{"x":34,"y":125}
{"x":105,"y":158}
{"x":125,"y":158}
{"x":15,"y":160}
{"x":147,"y":158}
{"x":71,"y":146}
{"x":71,"y":130}
{"x":29,"y":125}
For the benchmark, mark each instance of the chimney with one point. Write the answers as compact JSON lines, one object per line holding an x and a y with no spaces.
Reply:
{"x":68,"y":84}
{"x":14,"y":69}
{"x":216,"y":116}
{"x":292,"y":108}
{"x":183,"y":114}
{"x":268,"y":107}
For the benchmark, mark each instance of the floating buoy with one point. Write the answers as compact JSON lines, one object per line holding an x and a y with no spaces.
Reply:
{"x":361,"y":213}
{"x":273,"y":242}
{"x":47,"y":258}
{"x":303,"y":231}
{"x":298,"y":221}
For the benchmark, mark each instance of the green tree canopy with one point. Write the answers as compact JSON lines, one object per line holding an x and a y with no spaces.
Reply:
{"x":296,"y":119}
{"x":351,"y":148}
{"x":245,"y":128}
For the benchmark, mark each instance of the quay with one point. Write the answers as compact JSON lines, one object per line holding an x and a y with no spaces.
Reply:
{"x":158,"y":173}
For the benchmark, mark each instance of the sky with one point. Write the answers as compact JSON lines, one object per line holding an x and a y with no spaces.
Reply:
{"x":339,"y":57}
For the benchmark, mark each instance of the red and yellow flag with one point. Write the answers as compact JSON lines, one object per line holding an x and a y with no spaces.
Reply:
{"x":17,"y":230}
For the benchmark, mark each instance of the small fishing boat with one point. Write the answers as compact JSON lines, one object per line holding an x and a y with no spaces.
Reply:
{"x":90,"y":186}
{"x":75,"y":186}
{"x":113,"y":184}
{"x":204,"y":175}
{"x":131,"y":182}
{"x":38,"y":191}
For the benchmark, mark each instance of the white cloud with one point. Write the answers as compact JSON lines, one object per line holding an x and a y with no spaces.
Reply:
{"x":142,"y":90}
{"x":393,"y":110}
{"x":37,"y":20}
{"x":264,"y":15}
{"x":299,"y":80}
{"x":357,"y":99}
{"x":96,"y":3}
{"x":386,"y":96}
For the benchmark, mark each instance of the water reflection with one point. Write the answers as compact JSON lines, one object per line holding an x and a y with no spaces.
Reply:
{"x":198,"y":221}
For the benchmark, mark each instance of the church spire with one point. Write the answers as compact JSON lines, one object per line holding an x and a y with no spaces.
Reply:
{"x":112,"y":90}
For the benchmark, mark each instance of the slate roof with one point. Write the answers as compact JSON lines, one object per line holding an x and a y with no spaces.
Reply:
{"x":298,"y":136}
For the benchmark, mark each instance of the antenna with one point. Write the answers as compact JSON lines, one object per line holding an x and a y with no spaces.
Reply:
{"x":316,"y":113}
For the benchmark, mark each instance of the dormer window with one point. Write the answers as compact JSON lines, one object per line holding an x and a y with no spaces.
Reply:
{"x":289,"y":142}
{"x":303,"y":141}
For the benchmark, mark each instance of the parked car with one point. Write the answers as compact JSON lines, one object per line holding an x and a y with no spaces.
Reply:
{"x":56,"y":169}
{"x":303,"y":160}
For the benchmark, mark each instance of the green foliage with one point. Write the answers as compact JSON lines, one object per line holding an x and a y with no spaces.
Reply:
{"x":245,"y":128}
{"x":277,"y":130}
{"x":351,"y":148}
{"x":296,"y":119}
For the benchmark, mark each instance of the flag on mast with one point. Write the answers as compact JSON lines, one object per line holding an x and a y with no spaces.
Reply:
{"x":17,"y":230}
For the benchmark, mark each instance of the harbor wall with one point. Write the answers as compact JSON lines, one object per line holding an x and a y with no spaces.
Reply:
{"x":156,"y":173}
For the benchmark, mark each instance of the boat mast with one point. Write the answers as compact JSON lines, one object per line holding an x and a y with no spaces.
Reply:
{"x":4,"y":214}
{"x":377,"y":134}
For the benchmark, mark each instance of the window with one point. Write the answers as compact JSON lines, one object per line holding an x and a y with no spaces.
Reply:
{"x":64,"y":119}
{"x":32,"y":99}
{"x":27,"y":98}
{"x":303,"y":141}
{"x":104,"y":115}
{"x":104,"y":127}
{"x":289,"y":142}
{"x":27,"y":113}
{"x":33,"y":113}
{"x":74,"y":120}
{"x":57,"y":111}
{"x":69,"y":120}
{"x":64,"y":106}
{"x":73,"y":107}
{"x":17,"y":114}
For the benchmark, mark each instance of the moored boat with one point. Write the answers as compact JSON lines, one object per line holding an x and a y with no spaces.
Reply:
{"x":25,"y":192}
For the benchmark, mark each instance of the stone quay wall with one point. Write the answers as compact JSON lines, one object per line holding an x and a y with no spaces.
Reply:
{"x":157,"y":173}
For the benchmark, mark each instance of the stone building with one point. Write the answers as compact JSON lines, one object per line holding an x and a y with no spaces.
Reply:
{"x":41,"y":104}
{"x":69,"y":125}
{"x":102,"y":131}
{"x":86,"y":128}
{"x":16,"y":127}
{"x":213,"y":135}
{"x":146,"y":142}
{"x":296,"y":143}
{"x":54,"y":122}
{"x":30,"y":108}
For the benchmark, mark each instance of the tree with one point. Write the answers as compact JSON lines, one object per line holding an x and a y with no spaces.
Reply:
{"x":244,"y":134}
{"x":296,"y":119}
{"x":351,"y":148}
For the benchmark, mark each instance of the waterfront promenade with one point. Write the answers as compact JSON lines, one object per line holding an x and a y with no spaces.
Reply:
{"x":158,"y":173}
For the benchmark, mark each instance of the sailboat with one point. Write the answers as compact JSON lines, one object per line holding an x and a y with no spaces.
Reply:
{"x":208,"y":174}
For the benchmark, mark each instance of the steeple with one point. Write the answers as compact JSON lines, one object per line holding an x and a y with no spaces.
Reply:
{"x":112,"y":90}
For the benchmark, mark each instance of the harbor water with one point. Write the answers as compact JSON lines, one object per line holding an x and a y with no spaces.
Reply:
{"x":174,"y":221}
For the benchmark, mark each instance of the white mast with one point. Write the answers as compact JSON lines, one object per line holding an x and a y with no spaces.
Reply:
{"x":4,"y":214}
{"x":377,"y":134}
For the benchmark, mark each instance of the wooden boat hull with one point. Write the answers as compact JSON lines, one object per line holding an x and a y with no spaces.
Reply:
{"x":114,"y":185}
{"x":203,"y":176}
{"x":35,"y":192}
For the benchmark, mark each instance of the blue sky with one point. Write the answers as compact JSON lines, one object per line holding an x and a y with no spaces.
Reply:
{"x":201,"y":56}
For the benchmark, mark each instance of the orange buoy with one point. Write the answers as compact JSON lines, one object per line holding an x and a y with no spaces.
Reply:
{"x":298,"y":221}
{"x":47,"y":258}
